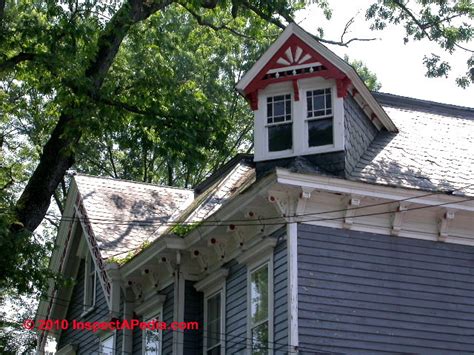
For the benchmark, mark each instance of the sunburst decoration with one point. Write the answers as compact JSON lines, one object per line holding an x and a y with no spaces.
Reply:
{"x":294,"y":57}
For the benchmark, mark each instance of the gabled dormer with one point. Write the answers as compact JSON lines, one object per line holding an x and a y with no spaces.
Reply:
{"x":301,"y":94}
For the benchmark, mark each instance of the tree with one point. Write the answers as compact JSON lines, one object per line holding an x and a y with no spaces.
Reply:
{"x":369,"y":78}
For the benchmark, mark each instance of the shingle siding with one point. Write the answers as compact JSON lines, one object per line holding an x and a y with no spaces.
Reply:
{"x":359,"y":133}
{"x":86,"y":341}
{"x":364,"y":293}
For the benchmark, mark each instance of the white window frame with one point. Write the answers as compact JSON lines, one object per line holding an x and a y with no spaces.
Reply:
{"x":299,"y":120}
{"x":89,"y":295}
{"x":337,"y":117}
{"x":210,"y":286}
{"x":148,"y":318}
{"x":250,"y":269}
{"x":106,"y":337}
{"x":207,"y":295}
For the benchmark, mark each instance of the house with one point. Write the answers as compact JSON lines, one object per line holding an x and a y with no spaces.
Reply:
{"x":349,"y":231}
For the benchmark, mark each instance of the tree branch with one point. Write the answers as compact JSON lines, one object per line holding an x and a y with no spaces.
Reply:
{"x":206,"y":23}
{"x":278,"y":23}
{"x":10,"y":63}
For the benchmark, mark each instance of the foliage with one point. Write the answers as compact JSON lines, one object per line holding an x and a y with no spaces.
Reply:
{"x":369,"y":78}
{"x":448,"y":23}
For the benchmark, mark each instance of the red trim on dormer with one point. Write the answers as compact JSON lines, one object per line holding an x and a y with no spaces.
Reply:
{"x":296,"y":90}
{"x":295,"y":52}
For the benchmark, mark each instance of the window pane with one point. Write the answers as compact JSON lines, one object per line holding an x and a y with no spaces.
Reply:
{"x":259,"y":294}
{"x":280,"y":137}
{"x":320,"y":132}
{"x":278,"y":108}
{"x":107,"y":346}
{"x":152,"y":342}
{"x":318,"y":102}
{"x":213,"y":320}
{"x":260,"y":339}
{"x":214,"y":351}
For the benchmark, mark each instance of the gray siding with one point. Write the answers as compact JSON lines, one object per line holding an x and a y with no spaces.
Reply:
{"x":168,"y":317}
{"x":87,"y":341}
{"x":280,"y":286}
{"x":193,"y":312}
{"x":236,"y":308}
{"x":359,"y":133}
{"x":362,"y":293}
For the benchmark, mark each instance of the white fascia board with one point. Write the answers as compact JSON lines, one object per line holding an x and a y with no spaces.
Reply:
{"x":331,"y":57}
{"x":60,"y":245}
{"x":338,"y":185}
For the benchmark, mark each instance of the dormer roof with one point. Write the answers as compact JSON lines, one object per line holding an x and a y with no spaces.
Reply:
{"x":297,"y":54}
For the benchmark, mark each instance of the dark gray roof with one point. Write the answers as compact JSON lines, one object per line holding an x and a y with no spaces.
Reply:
{"x":433,"y":151}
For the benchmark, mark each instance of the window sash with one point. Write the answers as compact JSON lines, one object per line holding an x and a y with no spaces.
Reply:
{"x":313,"y":112}
{"x":213,"y":336}
{"x":107,"y":346}
{"x":282,"y":102}
{"x":90,"y":283}
{"x":157,"y":333}
{"x":260,"y":275}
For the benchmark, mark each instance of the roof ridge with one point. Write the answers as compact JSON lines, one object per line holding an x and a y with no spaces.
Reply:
{"x":439,"y":108}
{"x":132,"y":181}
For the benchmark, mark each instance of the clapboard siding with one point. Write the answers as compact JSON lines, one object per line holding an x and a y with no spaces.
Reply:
{"x":86,"y":341}
{"x":236,"y":308}
{"x":367,"y":293}
{"x":280,"y":286}
{"x":193,"y":312}
{"x":137,"y":342}
{"x":168,"y":317}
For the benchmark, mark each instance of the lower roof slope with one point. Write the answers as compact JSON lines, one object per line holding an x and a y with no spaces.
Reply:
{"x":125,"y":215}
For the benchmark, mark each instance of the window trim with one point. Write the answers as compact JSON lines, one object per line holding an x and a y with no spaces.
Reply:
{"x":105,"y":337}
{"x":300,"y":146}
{"x":89,"y":304}
{"x":147,"y":318}
{"x":291,"y":121}
{"x":250,"y":269}
{"x":207,"y":295}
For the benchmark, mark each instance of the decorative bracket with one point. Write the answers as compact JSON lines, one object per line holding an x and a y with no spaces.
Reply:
{"x":239,"y":238}
{"x":305,"y":195}
{"x":280,"y":199}
{"x":444,"y":225}
{"x":167,"y":262}
{"x":196,"y":254}
{"x":151,"y":277}
{"x":218,"y":246}
{"x":352,"y":203}
{"x":398,"y":218}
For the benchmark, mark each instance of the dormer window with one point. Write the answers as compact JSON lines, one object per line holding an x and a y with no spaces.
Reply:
{"x":279,"y":123}
{"x":319,"y":115}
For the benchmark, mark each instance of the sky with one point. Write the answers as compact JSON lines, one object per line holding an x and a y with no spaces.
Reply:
{"x":398,"y":67}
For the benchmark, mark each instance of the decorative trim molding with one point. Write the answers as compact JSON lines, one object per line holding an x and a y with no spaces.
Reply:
{"x":215,"y":279}
{"x":261,"y":250}
{"x":152,"y":303}
{"x":69,"y":349}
